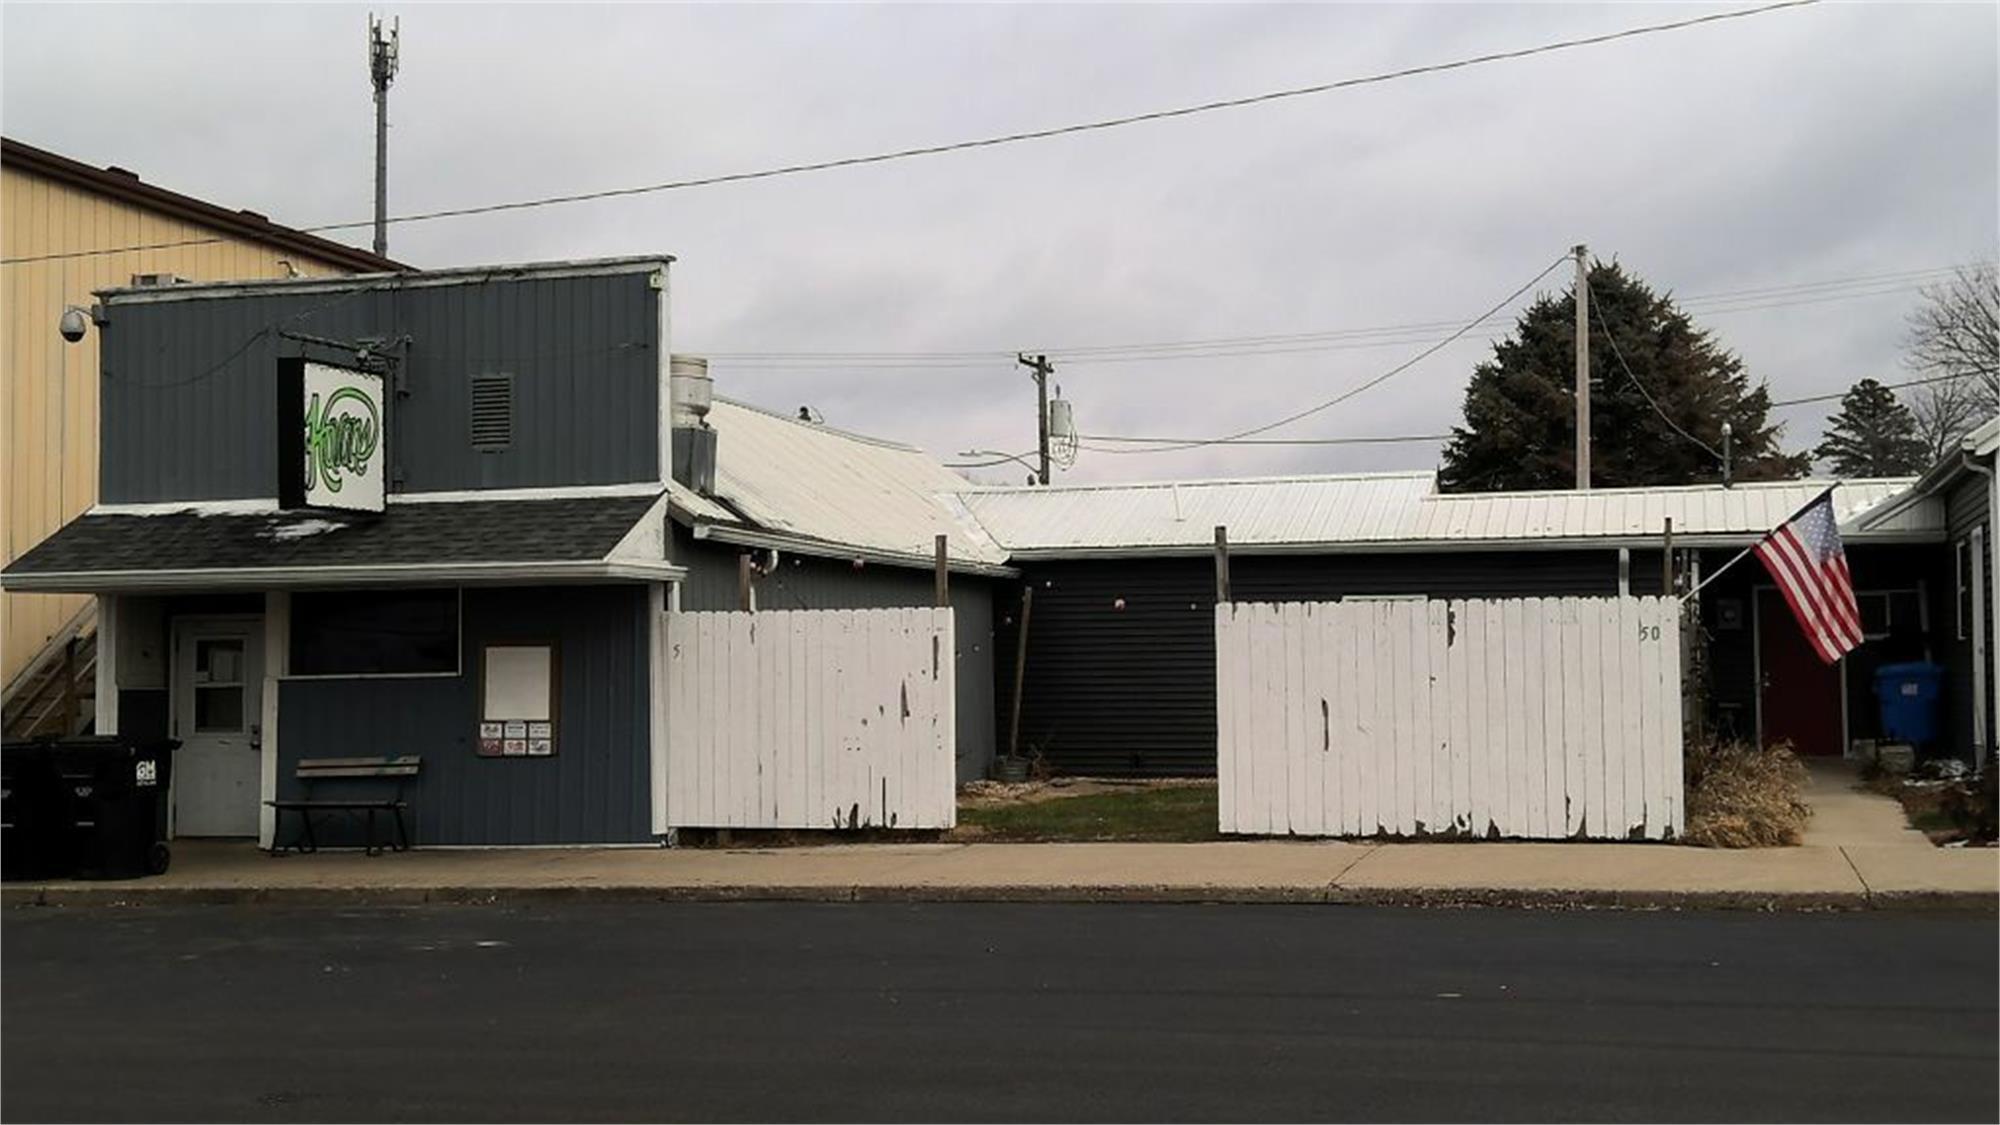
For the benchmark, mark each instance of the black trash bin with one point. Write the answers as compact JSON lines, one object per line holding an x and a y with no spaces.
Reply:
{"x":118,"y":791}
{"x":35,"y":814}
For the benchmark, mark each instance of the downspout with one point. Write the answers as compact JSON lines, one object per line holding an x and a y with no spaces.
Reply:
{"x":1971,"y":463}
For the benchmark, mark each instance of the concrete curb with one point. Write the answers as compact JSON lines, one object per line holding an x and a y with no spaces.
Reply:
{"x":140,"y":895}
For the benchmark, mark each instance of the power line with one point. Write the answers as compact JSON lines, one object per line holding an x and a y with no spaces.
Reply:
{"x":1886,"y":386}
{"x":1384,"y":440}
{"x":1337,"y":339}
{"x":998,"y":459}
{"x":1361,"y":387}
{"x":1604,"y":323}
{"x":1004,"y":138}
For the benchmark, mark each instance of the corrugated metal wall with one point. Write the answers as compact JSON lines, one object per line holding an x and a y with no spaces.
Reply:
{"x":1528,"y":718}
{"x":48,"y":404}
{"x":1110,"y":690}
{"x":189,"y":411}
{"x":809,"y":582}
{"x":595,"y":789}
{"x":1130,"y":690}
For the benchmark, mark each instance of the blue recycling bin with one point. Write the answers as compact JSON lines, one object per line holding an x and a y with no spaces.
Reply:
{"x":1908,"y":694}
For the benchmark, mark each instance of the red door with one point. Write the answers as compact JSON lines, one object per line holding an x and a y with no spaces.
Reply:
{"x":1799,"y":694}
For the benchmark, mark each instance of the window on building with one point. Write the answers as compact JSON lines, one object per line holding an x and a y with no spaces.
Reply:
{"x":375,"y":633}
{"x":1887,"y":613}
{"x":218,"y":684}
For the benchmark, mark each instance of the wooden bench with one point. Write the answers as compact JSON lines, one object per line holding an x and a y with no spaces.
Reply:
{"x":312,"y":770}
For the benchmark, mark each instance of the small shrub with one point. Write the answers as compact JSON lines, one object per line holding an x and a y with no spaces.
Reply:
{"x":1743,"y":796}
{"x":1972,"y":805}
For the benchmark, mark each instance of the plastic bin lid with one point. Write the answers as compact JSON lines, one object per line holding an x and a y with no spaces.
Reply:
{"x":1910,"y":670}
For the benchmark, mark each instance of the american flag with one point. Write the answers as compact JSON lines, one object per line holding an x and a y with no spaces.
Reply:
{"x":1805,"y":557}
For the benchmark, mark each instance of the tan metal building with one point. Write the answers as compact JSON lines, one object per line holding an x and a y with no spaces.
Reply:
{"x":64,"y":230}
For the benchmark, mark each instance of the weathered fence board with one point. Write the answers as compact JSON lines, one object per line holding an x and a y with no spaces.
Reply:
{"x":811,"y":719}
{"x":1535,"y":718}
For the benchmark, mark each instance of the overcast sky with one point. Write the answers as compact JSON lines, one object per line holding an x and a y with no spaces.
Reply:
{"x":1798,"y":147}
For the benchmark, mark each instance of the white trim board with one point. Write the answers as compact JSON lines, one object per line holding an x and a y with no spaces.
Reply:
{"x":268,"y":505}
{"x":745,"y":537}
{"x":375,"y":574}
{"x":368,"y":282}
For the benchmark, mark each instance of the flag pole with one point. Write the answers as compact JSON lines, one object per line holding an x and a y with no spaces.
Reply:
{"x":1760,"y":542}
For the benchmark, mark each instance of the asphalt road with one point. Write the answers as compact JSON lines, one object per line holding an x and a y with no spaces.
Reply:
{"x":991,"y":1012}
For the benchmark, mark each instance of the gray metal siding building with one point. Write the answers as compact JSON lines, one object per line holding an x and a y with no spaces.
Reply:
{"x":189,"y":407}
{"x":1120,"y":671}
{"x":265,"y":627}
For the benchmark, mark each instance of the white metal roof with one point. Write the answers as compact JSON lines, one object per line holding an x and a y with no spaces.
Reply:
{"x":1167,"y":515}
{"x":1404,"y":511}
{"x":824,"y":487}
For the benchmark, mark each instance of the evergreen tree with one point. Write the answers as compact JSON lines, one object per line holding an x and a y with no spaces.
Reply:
{"x":1873,"y":435}
{"x":1661,"y":424}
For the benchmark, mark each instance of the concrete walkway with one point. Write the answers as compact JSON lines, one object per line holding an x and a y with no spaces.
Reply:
{"x":1858,"y":852}
{"x":1634,"y":875}
{"x":1844,"y":814}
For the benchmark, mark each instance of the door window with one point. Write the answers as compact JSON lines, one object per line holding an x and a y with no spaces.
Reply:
{"x":218,"y":685}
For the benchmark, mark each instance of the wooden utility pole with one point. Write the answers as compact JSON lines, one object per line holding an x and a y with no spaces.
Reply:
{"x":943,"y":573}
{"x":1667,"y":562}
{"x":1221,"y":565}
{"x":1582,"y":369}
{"x":1020,"y":671}
{"x":1041,"y":369}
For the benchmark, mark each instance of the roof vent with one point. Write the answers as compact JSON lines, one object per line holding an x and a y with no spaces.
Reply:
{"x":155,"y":280}
{"x":694,"y":439}
{"x":492,"y":412}
{"x":690,"y":388}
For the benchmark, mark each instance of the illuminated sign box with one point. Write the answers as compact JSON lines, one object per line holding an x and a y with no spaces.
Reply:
{"x":332,"y":437}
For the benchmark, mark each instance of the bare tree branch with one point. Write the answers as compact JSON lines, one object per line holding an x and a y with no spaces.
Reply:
{"x":1946,"y":412}
{"x":1956,"y":331}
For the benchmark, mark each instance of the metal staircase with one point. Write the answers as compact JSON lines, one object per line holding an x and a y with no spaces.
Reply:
{"x":56,"y":693}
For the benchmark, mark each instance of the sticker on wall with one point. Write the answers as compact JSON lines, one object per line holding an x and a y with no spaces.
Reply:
{"x":517,"y":738}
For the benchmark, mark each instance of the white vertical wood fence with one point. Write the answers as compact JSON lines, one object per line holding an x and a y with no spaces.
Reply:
{"x":811,"y":719}
{"x":1541,"y":718}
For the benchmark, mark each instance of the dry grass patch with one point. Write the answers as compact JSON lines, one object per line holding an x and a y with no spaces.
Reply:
{"x":1741,"y":796}
{"x":1155,"y":811}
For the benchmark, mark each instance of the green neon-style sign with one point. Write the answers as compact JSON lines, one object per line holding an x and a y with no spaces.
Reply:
{"x":341,"y":436}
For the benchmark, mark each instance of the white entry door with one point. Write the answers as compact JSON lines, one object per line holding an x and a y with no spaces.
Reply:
{"x":218,"y":716}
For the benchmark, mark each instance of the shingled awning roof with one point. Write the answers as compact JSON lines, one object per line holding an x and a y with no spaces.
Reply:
{"x":578,"y":538}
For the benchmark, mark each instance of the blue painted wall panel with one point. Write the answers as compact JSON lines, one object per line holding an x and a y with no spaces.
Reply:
{"x":594,"y":790}
{"x":189,"y":411}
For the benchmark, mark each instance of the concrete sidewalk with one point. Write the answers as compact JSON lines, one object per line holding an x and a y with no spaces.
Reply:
{"x":1560,"y":874}
{"x":1858,"y":852}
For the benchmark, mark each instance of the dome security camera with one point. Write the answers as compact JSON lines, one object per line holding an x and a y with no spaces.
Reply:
{"x":75,"y":322}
